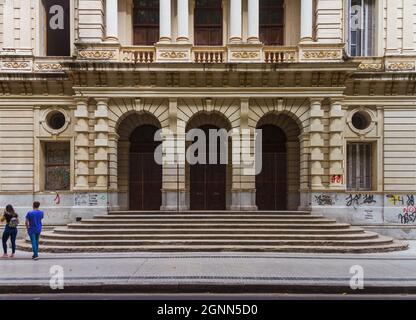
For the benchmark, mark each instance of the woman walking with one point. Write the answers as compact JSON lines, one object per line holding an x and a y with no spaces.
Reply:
{"x":10,"y":230}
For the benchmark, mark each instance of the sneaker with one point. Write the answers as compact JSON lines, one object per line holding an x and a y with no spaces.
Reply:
{"x":4,"y":256}
{"x":11,"y":256}
{"x":35,"y":258}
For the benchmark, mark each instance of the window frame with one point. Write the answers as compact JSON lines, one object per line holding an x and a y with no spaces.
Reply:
{"x":354,"y":179}
{"x":147,"y":27}
{"x":212,"y":27}
{"x":367,"y":49}
{"x":280,"y":5}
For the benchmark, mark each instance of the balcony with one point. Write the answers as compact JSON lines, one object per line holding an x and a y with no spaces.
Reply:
{"x":209,"y":54}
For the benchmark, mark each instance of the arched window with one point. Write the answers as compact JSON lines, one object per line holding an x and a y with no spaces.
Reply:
{"x":271,"y":22}
{"x":208,"y":23}
{"x":146,"y":22}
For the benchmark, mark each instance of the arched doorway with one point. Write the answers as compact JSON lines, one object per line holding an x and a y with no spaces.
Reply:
{"x":271,"y":183}
{"x":208,"y":180}
{"x":145,"y":175}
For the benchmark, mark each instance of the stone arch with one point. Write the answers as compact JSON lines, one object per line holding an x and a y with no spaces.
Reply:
{"x":216,"y":119}
{"x":288,"y":124}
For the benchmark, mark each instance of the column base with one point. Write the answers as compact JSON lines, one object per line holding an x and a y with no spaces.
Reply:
{"x":243,"y":200}
{"x":173,"y":201}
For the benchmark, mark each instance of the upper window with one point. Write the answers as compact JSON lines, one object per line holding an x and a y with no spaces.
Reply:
{"x":362,"y":26}
{"x":208,"y":23}
{"x":146,"y":22}
{"x":271,"y":22}
{"x":58,"y":35}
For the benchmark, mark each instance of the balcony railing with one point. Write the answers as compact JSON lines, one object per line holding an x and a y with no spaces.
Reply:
{"x":280,"y":54}
{"x":209,"y":54}
{"x":138,"y":54}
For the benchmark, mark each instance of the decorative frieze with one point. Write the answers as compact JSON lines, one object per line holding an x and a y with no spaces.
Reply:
{"x":245,"y":55}
{"x":48,"y":67}
{"x":16,"y":65}
{"x":97,"y":54}
{"x":401,"y":66}
{"x":370,"y":66}
{"x":322,"y":54}
{"x":173,"y":55}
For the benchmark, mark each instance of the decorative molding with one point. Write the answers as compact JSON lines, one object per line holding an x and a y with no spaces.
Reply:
{"x":48,"y":66}
{"x":322,"y":54}
{"x":96,"y":54}
{"x":370,"y":66}
{"x":401,"y":66}
{"x":245,"y":55}
{"x":173,"y":54}
{"x":16,"y":65}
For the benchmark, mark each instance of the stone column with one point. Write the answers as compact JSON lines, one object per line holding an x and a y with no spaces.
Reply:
{"x":316,"y":143}
{"x":253,"y":21}
{"x":183,"y":21}
{"x":392,"y":44}
{"x":235,"y":21}
{"x":111,"y":19}
{"x":336,"y":143}
{"x":165,"y":21}
{"x":306,"y":20}
{"x":101,"y":144}
{"x":81,"y":145}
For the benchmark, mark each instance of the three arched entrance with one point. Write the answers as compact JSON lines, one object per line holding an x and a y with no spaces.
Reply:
{"x":209,"y":186}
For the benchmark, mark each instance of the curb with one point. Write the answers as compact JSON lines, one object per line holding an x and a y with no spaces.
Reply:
{"x":206,"y":288}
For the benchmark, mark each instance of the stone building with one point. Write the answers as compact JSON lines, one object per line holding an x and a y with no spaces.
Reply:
{"x":86,"y":83}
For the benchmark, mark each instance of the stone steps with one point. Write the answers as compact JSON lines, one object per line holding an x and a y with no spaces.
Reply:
{"x":224,"y":248}
{"x":212,"y":231}
{"x":215,"y":235}
{"x":117,"y":231}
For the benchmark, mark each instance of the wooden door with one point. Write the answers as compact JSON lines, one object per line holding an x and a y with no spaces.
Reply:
{"x":271,"y":183}
{"x":208,"y":182}
{"x":145,"y":174}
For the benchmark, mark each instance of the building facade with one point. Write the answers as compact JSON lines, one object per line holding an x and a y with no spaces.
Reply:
{"x":85,"y":84}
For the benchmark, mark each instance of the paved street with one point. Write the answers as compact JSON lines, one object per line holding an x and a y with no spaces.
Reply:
{"x":209,"y":272}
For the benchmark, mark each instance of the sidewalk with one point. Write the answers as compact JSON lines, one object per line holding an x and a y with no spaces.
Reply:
{"x":211,"y":272}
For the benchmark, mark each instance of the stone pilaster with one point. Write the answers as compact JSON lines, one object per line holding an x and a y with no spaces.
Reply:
{"x":81,"y":145}
{"x":336,"y":143}
{"x":316,"y":143}
{"x":243,"y":188}
{"x":101,"y":144}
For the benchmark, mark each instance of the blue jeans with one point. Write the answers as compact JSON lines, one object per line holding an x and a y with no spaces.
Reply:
{"x":12,"y":234}
{"x":34,"y":238}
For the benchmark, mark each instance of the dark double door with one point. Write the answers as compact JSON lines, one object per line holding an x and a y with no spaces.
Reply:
{"x":271,"y":183}
{"x":208,"y":181}
{"x":145,"y":174}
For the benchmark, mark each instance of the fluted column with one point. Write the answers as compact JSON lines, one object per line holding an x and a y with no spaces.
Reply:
{"x":165,"y":24}
{"x":183,"y":21}
{"x":306,"y":20}
{"x":111,"y":19}
{"x":253,"y":21}
{"x":235,"y":21}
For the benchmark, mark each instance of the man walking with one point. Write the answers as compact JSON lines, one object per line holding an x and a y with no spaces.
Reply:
{"x":34,"y":227}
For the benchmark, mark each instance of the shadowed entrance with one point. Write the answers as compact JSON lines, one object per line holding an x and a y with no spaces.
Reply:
{"x":145,"y":179}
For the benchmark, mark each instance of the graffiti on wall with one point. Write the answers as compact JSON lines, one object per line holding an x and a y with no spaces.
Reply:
{"x":406,"y":205}
{"x":356,"y":200}
{"x":324,"y":200}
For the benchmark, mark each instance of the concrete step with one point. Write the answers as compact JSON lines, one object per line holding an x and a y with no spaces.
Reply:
{"x":286,"y":225}
{"x":208,"y":216}
{"x":116,"y":230}
{"x":209,"y":212}
{"x":190,"y":221}
{"x":225,"y":242}
{"x":394,"y":246}
{"x":216,"y":235}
